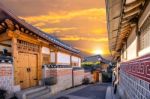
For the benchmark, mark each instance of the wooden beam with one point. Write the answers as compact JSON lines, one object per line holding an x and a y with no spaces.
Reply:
{"x":131,"y":12}
{"x":7,"y":45}
{"x":10,"y":24}
{"x":133,"y":5}
{"x":19,"y":35}
{"x":4,"y":37}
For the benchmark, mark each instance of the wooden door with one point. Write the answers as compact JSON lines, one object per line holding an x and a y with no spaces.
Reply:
{"x":26,"y":70}
{"x":21,"y":73}
{"x":96,"y":76}
{"x":33,"y":69}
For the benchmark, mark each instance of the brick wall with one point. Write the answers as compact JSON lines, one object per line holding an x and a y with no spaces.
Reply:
{"x":135,"y":78}
{"x":6,"y":77}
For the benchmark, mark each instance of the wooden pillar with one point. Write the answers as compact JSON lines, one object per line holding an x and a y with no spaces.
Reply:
{"x":138,"y":40}
{"x":40,"y":59}
{"x":14,"y":54}
{"x":56,"y":62}
{"x":70,"y":60}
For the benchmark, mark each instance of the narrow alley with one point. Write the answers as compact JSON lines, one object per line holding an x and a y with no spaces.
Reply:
{"x":92,"y":91}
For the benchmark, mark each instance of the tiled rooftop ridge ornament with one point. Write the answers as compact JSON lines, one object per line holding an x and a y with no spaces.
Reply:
{"x":4,"y":58}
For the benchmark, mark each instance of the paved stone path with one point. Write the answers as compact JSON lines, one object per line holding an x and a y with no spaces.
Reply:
{"x":93,"y":91}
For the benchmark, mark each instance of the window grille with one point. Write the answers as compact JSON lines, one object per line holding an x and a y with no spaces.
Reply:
{"x":145,"y":35}
{"x":26,"y":46}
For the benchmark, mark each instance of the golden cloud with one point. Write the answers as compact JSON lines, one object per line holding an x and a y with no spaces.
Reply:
{"x":39,"y":24}
{"x":50,"y":30}
{"x":76,"y":38}
{"x":99,"y":31}
{"x":93,"y":13}
{"x":90,"y":51}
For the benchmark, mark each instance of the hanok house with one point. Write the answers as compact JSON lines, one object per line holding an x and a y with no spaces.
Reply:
{"x":98,"y":65}
{"x":129,"y":42}
{"x":31,"y":49}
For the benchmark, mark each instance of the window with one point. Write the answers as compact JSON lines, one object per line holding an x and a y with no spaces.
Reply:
{"x":145,"y":35}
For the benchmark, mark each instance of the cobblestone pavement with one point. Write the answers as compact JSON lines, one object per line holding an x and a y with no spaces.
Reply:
{"x":93,"y":91}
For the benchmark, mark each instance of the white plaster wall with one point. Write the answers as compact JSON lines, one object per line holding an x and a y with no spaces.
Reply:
{"x":132,"y":45}
{"x":124,"y":54}
{"x":52,"y":57}
{"x":79,"y":62}
{"x":45,"y":50}
{"x":63,"y":58}
{"x":76,"y":59}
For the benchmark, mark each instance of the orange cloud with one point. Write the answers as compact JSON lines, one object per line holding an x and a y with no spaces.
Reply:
{"x":50,"y":30}
{"x":39,"y":24}
{"x":93,"y":13}
{"x":99,"y":31}
{"x":76,"y":38}
{"x":105,"y":51}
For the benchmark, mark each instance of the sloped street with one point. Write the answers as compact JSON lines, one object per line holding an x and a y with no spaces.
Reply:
{"x":93,"y":91}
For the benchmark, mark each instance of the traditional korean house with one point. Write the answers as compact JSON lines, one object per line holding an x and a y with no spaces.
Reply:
{"x":97,"y":65}
{"x":129,"y":41}
{"x":30,"y":48}
{"x":103,"y":63}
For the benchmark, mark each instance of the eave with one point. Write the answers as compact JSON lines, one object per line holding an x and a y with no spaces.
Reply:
{"x":122,"y":15}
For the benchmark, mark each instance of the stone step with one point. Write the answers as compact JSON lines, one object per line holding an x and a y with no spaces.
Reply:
{"x":46,"y":96}
{"x":23,"y":93}
{"x":37,"y":94}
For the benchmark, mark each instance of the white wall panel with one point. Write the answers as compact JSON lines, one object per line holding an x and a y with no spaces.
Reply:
{"x":132,"y":45}
{"x":45,"y":50}
{"x":79,"y":62}
{"x":63,"y":58}
{"x":52,"y":57}
{"x":75,"y":59}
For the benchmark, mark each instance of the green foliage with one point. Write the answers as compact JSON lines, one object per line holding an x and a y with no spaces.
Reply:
{"x":90,"y":64}
{"x":106,"y":76}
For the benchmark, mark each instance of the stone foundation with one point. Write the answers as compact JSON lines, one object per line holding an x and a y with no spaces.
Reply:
{"x":6,"y":77}
{"x":78,"y":76}
{"x":63,"y":75}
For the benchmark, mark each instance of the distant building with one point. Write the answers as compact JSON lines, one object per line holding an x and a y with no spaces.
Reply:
{"x":98,"y":59}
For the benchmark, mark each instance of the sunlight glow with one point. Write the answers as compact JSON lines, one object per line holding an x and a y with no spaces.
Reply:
{"x":96,"y":52}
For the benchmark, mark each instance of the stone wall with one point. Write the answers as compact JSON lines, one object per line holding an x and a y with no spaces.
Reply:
{"x":67,"y":76}
{"x":135,"y":78}
{"x":78,"y":76}
{"x":63,"y":75}
{"x":88,"y":74}
{"x":6,"y":77}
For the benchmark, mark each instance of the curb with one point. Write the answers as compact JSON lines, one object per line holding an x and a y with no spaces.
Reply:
{"x":109,"y":93}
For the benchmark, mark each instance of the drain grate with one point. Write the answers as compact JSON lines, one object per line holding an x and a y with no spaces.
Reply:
{"x":63,"y":97}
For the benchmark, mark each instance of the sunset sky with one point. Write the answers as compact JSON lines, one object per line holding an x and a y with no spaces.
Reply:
{"x":80,"y":23}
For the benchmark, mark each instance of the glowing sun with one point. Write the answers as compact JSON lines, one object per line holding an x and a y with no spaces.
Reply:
{"x":97,"y":52}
